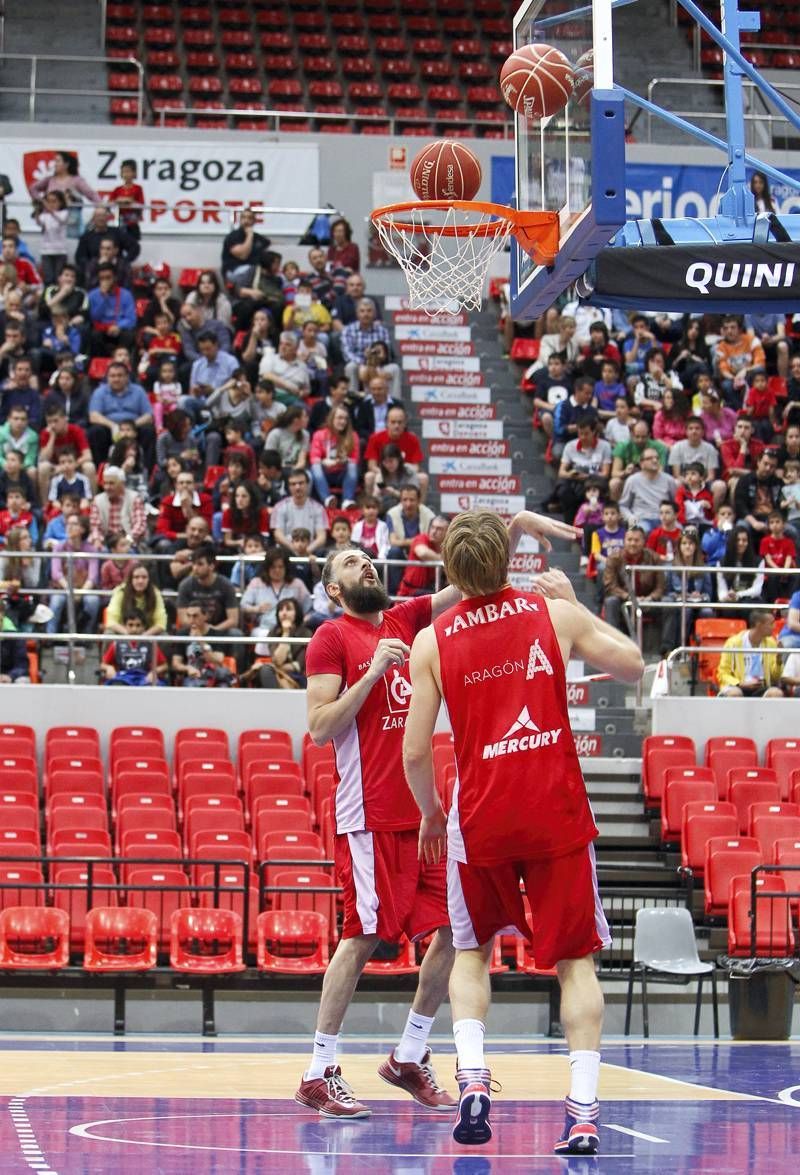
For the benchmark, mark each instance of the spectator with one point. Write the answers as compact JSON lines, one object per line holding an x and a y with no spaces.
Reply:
{"x":372,"y":411}
{"x":17,"y":512}
{"x":648,"y":392}
{"x":646,"y":490}
{"x":211,"y":370}
{"x":127,"y":455}
{"x":275,"y":583}
{"x":140,"y":593}
{"x":569,"y":411}
{"x":52,"y":220}
{"x":68,"y":478}
{"x":343,"y":253}
{"x":333,"y":458}
{"x":691,"y":355}
{"x":761,"y":405}
{"x":17,"y":436}
{"x":322,"y":608}
{"x":57,"y":435}
{"x":306,"y":307}
{"x":377,"y":361}
{"x":790,"y":449}
{"x":587,"y":457}
{"x":312,"y":351}
{"x":242,"y":248}
{"x":198,"y":663}
{"x":69,"y":391}
{"x":65,"y":294}
{"x":589,"y":515}
{"x":114,"y":401}
{"x":406,"y":522}
{"x":161,"y":302}
{"x":308,"y":570}
{"x":358,"y":337}
{"x":108,"y":254}
{"x":777,"y":550}
{"x":790,"y":676}
{"x":693,"y":450}
{"x":12,"y":228}
{"x":663,"y":539}
{"x":790,"y":633}
{"x":252,"y":344}
{"x":715,"y":540}
{"x":130,"y":662}
{"x":197,"y":534}
{"x":56,"y":529}
{"x":265,"y":412}
{"x":735,"y":356}
{"x":61,"y":339}
{"x":177,"y":440}
{"x":762,"y":198}
{"x":791,"y":409}
{"x":694,"y":501}
{"x":790,"y":495}
{"x":396,"y":433}
{"x":191,"y":326}
{"x":617,"y":581}
{"x":14,"y":477}
{"x":740,"y":455}
{"x":66,"y":178}
{"x":245,"y":516}
{"x":176,"y":511}
{"x":671,"y":419}
{"x":319,"y":275}
{"x":252,"y":557}
{"x":210,"y":298}
{"x":596,"y":350}
{"x":607,"y":389}
{"x":287,"y":665}
{"x":733,"y":581}
{"x":758,"y":494}
{"x":770,"y":330}
{"x":341,"y":536}
{"x":20,"y":568}
{"x":747,"y":669}
{"x":28,"y":280}
{"x":162,"y":344}
{"x":339,"y":394}
{"x":112,"y":314}
{"x":13,"y":653}
{"x":694,"y":587}
{"x":298,"y":509}
{"x":425,"y":548}
{"x":346,"y":304}
{"x":129,"y":199}
{"x":607,"y":539}
{"x":286,"y":373}
{"x":114,"y":571}
{"x":117,"y":510}
{"x":213,"y":591}
{"x":264,"y":291}
{"x":617,"y":430}
{"x":371,"y":533}
{"x":549,"y":386}
{"x":73,"y":575}
{"x":98,"y":230}
{"x":391,"y":477}
{"x":12,"y":349}
{"x":21,"y":391}
{"x":562,"y":342}
{"x":290,"y":438}
{"x":635,"y":346}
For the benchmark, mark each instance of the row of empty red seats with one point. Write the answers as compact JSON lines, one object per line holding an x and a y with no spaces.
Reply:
{"x":722,"y":755}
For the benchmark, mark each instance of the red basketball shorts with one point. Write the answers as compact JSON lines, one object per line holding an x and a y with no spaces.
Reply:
{"x":567,"y":918}
{"x":388,"y":891}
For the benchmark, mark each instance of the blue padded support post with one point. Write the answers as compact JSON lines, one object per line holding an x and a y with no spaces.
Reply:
{"x":737,"y":202}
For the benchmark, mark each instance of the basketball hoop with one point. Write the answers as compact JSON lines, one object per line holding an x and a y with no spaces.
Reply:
{"x":445,"y":247}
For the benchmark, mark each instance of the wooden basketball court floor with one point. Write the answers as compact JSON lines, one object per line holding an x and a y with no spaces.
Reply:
{"x":176,"y":1105}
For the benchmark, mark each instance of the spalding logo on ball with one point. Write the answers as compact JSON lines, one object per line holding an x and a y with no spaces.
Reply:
{"x":445,"y":170}
{"x":537,"y":81}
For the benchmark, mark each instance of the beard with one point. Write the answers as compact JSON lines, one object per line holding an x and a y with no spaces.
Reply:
{"x":363,"y":598}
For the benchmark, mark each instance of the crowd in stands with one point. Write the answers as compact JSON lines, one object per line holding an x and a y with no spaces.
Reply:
{"x":675,"y":442}
{"x":255,"y":416}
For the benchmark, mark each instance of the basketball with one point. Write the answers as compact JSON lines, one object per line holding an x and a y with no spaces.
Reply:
{"x":537,"y":81}
{"x":445,"y":170}
{"x":584,"y":75}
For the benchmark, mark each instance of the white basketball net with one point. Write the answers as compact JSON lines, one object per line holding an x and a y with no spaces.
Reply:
{"x":444,"y":272}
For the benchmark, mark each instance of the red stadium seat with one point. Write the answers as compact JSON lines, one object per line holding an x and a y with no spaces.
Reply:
{"x":313,"y":890}
{"x":151,"y":770}
{"x":146,"y":803}
{"x":774,"y":937}
{"x":727,"y":857}
{"x":24,"y":735}
{"x":277,"y":804}
{"x":270,"y":786}
{"x":292,"y":942}
{"x":141,"y":819}
{"x":774,"y":746}
{"x":723,"y":759}
{"x":269,"y":740}
{"x":727,"y":743}
{"x":744,"y":792}
{"x":768,"y":826}
{"x":201,"y":783}
{"x":80,"y":842}
{"x":75,"y":901}
{"x":33,"y":937}
{"x":227,"y":895}
{"x":785,"y":763}
{"x":678,"y":792}
{"x":701,"y":821}
{"x":15,"y":883}
{"x":13,"y":801}
{"x":18,"y":772}
{"x":75,"y":818}
{"x":165,"y":889}
{"x":206,"y":942}
{"x":120,"y":939}
{"x":130,"y":748}
{"x":210,"y":820}
{"x":658,"y":753}
{"x":266,"y":820}
{"x":404,"y":963}
{"x":133,"y":785}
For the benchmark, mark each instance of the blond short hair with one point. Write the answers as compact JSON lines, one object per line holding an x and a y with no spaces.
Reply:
{"x":475,"y":552}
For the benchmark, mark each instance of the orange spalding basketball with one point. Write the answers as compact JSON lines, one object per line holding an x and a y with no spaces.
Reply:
{"x":537,"y":81}
{"x":445,"y":170}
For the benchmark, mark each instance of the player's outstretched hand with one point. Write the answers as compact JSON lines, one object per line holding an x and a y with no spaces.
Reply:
{"x":389,"y":651}
{"x":543,"y":528}
{"x":555,"y":585}
{"x":432,"y":834}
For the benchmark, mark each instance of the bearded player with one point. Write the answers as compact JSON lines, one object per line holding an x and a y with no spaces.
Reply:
{"x":358,"y":696}
{"x":519,"y":811}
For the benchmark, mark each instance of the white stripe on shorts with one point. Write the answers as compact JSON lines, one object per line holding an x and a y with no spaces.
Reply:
{"x":600,"y":920}
{"x":463,"y":931}
{"x":362,"y":852}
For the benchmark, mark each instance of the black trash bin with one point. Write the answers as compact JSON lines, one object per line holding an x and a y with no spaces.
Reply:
{"x":760,"y":1004}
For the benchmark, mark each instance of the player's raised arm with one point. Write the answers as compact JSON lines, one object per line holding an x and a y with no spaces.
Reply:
{"x":417,"y":746}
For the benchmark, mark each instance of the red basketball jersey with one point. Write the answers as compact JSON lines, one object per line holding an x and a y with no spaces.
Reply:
{"x":371,"y":790}
{"x":520,"y":793}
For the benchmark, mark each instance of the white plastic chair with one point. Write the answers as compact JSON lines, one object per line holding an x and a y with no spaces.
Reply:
{"x":665,"y":948}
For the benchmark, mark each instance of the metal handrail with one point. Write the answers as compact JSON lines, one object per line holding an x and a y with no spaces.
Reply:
{"x":33,"y":88}
{"x":713,"y":82}
{"x":233,"y":212}
{"x":321,"y":116}
{"x":680,"y":651}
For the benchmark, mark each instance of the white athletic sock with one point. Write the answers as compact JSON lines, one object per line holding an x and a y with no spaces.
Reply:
{"x":469,"y":1043}
{"x":414,"y":1040}
{"x":324,"y":1055}
{"x":584,"y":1066}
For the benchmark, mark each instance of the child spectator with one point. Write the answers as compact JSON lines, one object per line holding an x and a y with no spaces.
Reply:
{"x":617,"y":430}
{"x":715,"y":540}
{"x":15,"y":477}
{"x":637,"y":343}
{"x":68,"y":479}
{"x":60,"y":338}
{"x":299,"y":544}
{"x":547,"y":387}
{"x":114,"y":571}
{"x":370,"y":532}
{"x":167,"y":391}
{"x":777,"y":550}
{"x":760,"y":404}
{"x":265,"y":411}
{"x":129,"y":198}
{"x":663,"y":539}
{"x":163,"y":342}
{"x":606,"y":540}
{"x":56,"y":529}
{"x":669,"y":422}
{"x":235,"y":443}
{"x":52,"y":219}
{"x":17,"y":513}
{"x":695,"y":587}
{"x":608,"y":389}
{"x":597,"y":351}
{"x":270,"y":477}
{"x":17,"y":436}
{"x":693,"y":500}
{"x":130,"y":661}
{"x":790,"y":494}
{"x":253,"y":556}
{"x":589,"y":517}
{"x":648,"y":393}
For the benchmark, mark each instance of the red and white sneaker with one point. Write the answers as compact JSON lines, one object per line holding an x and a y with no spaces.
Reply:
{"x":418,"y":1080}
{"x":472,"y":1126}
{"x":331,"y":1096}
